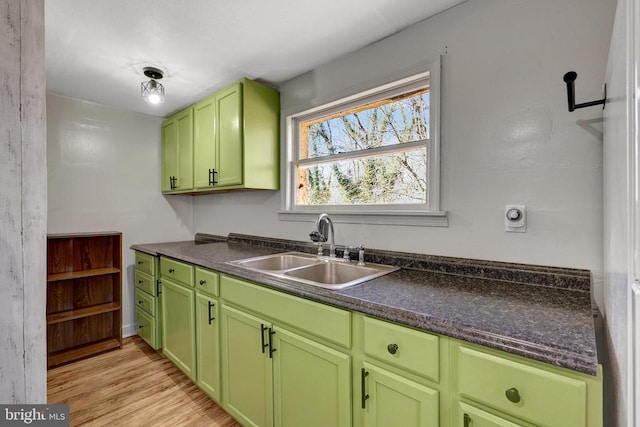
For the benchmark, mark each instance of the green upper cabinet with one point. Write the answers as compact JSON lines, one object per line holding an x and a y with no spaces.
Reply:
{"x":236,"y":138}
{"x":169,"y":154}
{"x":261,"y":145}
{"x":177,"y":152}
{"x":204,"y":132}
{"x":217,"y":128}
{"x":229,"y":136}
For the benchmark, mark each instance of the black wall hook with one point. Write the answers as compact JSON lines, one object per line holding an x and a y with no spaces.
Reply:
{"x":569,"y":79}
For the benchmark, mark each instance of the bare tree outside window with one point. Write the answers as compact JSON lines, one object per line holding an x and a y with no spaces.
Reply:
{"x":373,"y":154}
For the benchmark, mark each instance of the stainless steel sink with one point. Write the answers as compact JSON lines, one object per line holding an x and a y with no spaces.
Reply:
{"x":277,"y":262}
{"x":325,"y":272}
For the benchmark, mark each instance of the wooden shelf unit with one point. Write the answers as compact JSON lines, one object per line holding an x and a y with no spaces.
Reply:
{"x":84,"y":295}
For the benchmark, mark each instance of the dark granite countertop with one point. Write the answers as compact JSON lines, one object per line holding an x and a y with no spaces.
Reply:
{"x":543,"y":313}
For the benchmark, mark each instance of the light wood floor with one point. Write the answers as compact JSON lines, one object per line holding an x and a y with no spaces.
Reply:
{"x":134,"y":386}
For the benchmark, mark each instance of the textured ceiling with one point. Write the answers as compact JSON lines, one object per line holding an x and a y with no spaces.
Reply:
{"x":95,"y":50}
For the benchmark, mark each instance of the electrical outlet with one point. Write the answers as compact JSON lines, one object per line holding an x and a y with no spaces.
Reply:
{"x":515,"y":218}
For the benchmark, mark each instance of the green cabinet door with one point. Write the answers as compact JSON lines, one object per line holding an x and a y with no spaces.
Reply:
{"x":169,"y":154}
{"x":246,"y":368}
{"x":229,"y":135}
{"x":185,"y":150}
{"x":392,"y":400}
{"x":207,"y":346}
{"x":178,"y":326}
{"x":312,"y":386}
{"x":204,"y":144}
{"x":177,"y":152}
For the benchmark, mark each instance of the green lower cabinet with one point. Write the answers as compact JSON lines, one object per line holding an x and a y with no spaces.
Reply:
{"x":469,"y":416}
{"x":530,"y":393}
{"x":146,"y":328}
{"x":246,"y":368}
{"x":391,"y":400}
{"x":147,"y":299}
{"x":178,"y":326}
{"x":272,"y":376}
{"x":207,"y":346}
{"x":312,"y":386}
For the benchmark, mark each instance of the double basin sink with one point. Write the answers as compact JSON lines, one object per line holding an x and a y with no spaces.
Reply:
{"x":325,"y":272}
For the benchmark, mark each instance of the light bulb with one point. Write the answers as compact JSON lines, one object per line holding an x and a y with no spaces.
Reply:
{"x":153,"y":98}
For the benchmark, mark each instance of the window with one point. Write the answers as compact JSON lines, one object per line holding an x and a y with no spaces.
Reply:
{"x":373,"y":153}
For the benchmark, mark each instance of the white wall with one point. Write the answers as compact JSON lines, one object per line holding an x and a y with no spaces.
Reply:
{"x":23,"y":196}
{"x":104,"y":169}
{"x":507,"y":136}
{"x":619,"y":190}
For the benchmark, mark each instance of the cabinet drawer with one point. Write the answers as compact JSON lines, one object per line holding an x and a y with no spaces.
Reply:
{"x":207,"y":281}
{"x":330,"y":323}
{"x":176,"y":271}
{"x":471,"y":416}
{"x":145,"y":262}
{"x":145,"y":302}
{"x":415,"y":351}
{"x":146,"y":327}
{"x":526,"y":392}
{"x":145,"y":282}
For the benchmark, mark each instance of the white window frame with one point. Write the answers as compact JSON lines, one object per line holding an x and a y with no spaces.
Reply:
{"x":427,"y":214}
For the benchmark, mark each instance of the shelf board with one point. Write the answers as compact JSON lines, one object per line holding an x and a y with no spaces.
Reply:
{"x":63,"y":316}
{"x":82,"y":273}
{"x":82,"y":351}
{"x":82,"y":235}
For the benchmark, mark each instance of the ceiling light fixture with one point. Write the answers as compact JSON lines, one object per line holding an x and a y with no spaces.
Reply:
{"x":152,"y":91}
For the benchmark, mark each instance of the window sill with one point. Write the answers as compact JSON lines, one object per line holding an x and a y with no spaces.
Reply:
{"x":420,"y":219}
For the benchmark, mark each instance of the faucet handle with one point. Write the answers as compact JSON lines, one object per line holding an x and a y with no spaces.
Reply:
{"x":361,"y":255}
{"x":316,"y":237}
{"x":345,"y":254}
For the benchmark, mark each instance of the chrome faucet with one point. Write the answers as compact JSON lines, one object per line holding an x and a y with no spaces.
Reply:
{"x":324,"y":230}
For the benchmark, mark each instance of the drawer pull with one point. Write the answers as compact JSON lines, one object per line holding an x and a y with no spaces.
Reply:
{"x":203,"y":282}
{"x":171,"y":270}
{"x":140,"y":282}
{"x":140,"y":262}
{"x":467,"y":420}
{"x":211,"y":305}
{"x":263,"y":343}
{"x":392,"y":348}
{"x":513,"y":395}
{"x":363,"y":383}
{"x":140,"y":326}
{"x":271,"y":349}
{"x":139,"y":301}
